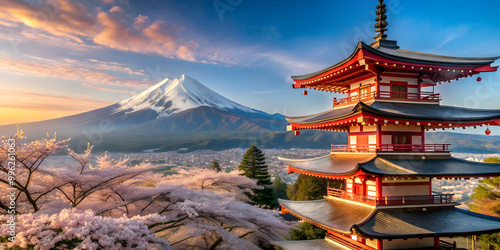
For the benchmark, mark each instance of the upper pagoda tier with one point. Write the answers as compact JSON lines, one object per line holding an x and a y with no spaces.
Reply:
{"x":367,"y":61}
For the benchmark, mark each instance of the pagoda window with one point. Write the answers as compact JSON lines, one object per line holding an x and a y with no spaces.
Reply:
{"x":399,"y":91}
{"x":364,"y":90}
{"x":399,"y":140}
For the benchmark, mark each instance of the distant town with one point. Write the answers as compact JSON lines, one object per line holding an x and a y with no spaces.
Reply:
{"x":230,"y":159}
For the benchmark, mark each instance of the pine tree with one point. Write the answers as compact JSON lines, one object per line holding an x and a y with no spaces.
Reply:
{"x":215,"y":166}
{"x":310,"y":188}
{"x":254,"y":166}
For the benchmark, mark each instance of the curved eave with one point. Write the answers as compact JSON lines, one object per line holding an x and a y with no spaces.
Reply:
{"x":434,"y":168}
{"x":423,"y":113}
{"x":333,"y":67}
{"x":467,"y":65}
{"x":327,"y":116}
{"x":329,"y":166}
{"x":330,"y":214}
{"x":431,"y":59}
{"x":401,"y":224}
{"x":494,"y":117}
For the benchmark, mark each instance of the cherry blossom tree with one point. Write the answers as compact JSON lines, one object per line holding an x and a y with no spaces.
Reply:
{"x":197,"y":208}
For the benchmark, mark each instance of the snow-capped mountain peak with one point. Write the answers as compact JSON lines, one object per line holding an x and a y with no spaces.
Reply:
{"x":176,"y":95}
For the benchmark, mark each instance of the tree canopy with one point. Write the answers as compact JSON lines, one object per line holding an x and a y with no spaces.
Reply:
{"x":254,"y":166}
{"x":215,"y":166}
{"x":67,"y":206}
{"x":310,"y":188}
{"x":486,"y":200}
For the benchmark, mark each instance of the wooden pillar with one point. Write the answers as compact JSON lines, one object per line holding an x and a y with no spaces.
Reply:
{"x":377,"y":81}
{"x":474,"y":242}
{"x":380,"y":245}
{"x":436,"y":242}
{"x":378,"y":181}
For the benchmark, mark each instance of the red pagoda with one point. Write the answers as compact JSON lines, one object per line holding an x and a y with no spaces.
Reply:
{"x":386,"y":201}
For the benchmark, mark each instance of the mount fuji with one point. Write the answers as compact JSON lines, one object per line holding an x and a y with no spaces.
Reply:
{"x":174,"y":113}
{"x":172,"y":96}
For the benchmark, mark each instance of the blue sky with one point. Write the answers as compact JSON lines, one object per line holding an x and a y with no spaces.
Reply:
{"x":64,"y":57}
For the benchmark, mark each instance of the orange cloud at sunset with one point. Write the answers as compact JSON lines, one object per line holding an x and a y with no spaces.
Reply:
{"x":72,"y":20}
{"x":65,"y":70}
{"x":62,"y":18}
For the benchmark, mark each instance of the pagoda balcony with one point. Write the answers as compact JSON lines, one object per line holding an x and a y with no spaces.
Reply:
{"x":385,"y":95}
{"x":392,"y":200}
{"x":396,"y":148}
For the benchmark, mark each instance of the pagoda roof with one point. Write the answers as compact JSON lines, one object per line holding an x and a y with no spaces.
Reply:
{"x":346,"y":164}
{"x":317,"y":244}
{"x":391,"y":224}
{"x":352,"y":217}
{"x":332,"y":164}
{"x":396,"y":55}
{"x":403,"y":111}
{"x":334,"y":214}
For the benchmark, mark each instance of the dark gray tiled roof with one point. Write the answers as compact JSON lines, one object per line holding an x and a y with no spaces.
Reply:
{"x":431,"y":167}
{"x":334,"y":214}
{"x":408,"y":111}
{"x":433,"y":222}
{"x":319,"y":244}
{"x":346,"y":217}
{"x":346,"y":164}
{"x":340,"y":164}
{"x":418,"y":57}
{"x":408,"y":56}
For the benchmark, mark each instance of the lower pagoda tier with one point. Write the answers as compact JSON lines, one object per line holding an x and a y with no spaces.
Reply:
{"x":356,"y":223}
{"x":343,"y":165}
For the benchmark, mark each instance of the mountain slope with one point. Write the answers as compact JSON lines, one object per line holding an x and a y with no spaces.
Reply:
{"x":207,"y":118}
{"x":172,"y":96}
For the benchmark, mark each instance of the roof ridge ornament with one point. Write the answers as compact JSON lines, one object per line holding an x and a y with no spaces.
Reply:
{"x":381,"y":25}
{"x":381,"y":22}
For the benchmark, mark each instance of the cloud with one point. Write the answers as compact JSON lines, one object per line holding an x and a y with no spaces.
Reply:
{"x":64,"y":70}
{"x":108,"y":89}
{"x":61,"y":18}
{"x":185,"y":52}
{"x":73,"y":26}
{"x":124,"y":2}
{"x":36,"y":101}
{"x":140,"y":22}
{"x":153,"y":39}
{"x":117,"y":9}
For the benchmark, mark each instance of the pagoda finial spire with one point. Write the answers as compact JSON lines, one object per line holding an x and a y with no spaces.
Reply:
{"x":381,"y":23}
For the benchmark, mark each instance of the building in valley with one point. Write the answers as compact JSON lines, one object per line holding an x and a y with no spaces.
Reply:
{"x":387,"y":168}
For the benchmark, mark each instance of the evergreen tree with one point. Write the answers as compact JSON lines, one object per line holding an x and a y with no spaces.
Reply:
{"x":486,"y":200}
{"x":279,"y":188}
{"x":310,"y":188}
{"x":215,"y":166}
{"x":254,"y":166}
{"x":306,"y":231}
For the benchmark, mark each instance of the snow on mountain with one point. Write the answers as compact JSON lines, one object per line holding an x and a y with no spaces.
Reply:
{"x":172,"y":96}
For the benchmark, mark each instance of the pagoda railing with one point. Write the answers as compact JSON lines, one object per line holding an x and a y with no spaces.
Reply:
{"x":392,"y":200}
{"x":422,"y":96}
{"x":347,"y":242}
{"x":372,"y":148}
